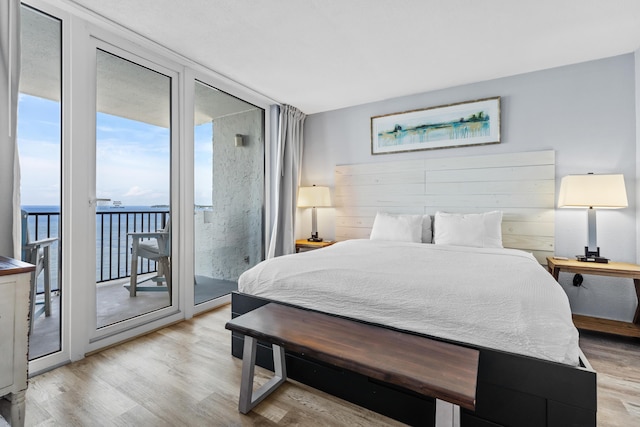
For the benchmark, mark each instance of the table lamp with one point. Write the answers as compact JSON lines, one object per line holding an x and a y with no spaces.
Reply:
{"x":592,"y":192}
{"x":314,"y":197}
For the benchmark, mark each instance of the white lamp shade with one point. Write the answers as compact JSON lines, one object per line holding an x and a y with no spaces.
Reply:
{"x":313,"y":197}
{"x":593,"y":191}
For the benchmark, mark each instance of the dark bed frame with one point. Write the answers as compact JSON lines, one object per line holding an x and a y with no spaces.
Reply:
{"x":513,"y":390}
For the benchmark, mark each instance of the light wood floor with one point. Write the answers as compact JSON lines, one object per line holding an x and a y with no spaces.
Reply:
{"x":184,"y":375}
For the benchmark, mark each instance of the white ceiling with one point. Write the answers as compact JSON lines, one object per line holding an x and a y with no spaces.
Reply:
{"x":321,"y":55}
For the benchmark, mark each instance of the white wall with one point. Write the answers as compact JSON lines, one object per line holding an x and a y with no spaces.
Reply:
{"x":586,"y":112}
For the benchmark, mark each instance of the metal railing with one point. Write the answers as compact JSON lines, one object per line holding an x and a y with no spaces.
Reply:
{"x":113,"y":246}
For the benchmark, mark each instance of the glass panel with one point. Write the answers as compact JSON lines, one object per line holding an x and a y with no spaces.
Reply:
{"x":40,"y":147}
{"x":229,"y":189}
{"x":133,"y":174}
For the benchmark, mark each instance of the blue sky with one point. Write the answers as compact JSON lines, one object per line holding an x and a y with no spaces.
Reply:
{"x":39,"y":148}
{"x":132,"y":157}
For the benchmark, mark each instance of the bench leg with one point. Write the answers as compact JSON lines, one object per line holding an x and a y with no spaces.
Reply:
{"x":447,"y":414}
{"x":248,"y":398}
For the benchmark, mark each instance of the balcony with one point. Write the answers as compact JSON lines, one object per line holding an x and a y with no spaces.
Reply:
{"x":113,"y":272}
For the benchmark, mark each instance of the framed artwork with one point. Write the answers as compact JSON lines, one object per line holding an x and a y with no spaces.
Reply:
{"x":455,"y":125}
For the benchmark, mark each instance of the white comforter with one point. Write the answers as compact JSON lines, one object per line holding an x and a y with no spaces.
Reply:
{"x":496,"y":298}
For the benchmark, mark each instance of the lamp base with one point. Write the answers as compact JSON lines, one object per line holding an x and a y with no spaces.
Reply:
{"x":592,"y":256}
{"x":314,"y":237}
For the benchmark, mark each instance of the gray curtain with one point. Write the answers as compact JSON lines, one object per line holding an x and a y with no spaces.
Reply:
{"x":9,"y":169}
{"x":288,"y":164}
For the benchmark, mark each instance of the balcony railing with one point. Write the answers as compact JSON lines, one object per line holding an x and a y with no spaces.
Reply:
{"x":113,"y":246}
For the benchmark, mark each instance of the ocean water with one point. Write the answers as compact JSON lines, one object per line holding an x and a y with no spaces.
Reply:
{"x":113,"y":254}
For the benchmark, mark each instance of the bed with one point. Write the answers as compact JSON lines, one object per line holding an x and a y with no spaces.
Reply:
{"x":531,"y":371}
{"x":498,"y":300}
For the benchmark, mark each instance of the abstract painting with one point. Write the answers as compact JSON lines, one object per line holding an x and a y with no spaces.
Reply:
{"x":455,"y":125}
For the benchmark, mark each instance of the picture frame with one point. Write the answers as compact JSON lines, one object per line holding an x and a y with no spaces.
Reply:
{"x":446,"y":126}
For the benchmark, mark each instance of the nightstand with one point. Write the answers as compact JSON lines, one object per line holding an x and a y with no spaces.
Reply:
{"x":308,"y":246}
{"x":613,"y":269}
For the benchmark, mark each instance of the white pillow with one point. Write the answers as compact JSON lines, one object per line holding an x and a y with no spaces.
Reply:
{"x":477,"y":230}
{"x":399,"y":228}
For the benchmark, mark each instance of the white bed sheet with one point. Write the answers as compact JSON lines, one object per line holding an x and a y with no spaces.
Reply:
{"x":496,"y":298}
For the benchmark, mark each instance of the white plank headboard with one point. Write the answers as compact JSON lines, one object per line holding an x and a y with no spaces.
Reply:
{"x":522,"y":185}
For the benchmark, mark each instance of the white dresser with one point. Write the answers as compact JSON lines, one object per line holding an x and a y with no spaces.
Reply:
{"x":14,"y":329}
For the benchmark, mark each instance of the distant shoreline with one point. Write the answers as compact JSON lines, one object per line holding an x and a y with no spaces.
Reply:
{"x":120,"y":209}
{"x":52,"y":209}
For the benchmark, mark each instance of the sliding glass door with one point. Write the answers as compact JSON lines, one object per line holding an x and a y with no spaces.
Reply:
{"x":104,"y":135}
{"x":229,"y":191}
{"x":133,"y":189}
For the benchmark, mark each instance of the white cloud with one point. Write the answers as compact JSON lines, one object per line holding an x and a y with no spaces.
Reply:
{"x":136,"y":191}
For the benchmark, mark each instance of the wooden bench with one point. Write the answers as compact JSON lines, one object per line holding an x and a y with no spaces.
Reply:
{"x":433,"y":368}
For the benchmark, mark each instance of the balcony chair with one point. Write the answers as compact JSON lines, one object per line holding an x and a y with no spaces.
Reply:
{"x":37,"y":253}
{"x":155,"y":246}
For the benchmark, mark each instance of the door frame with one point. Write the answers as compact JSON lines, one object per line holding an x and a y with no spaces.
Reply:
{"x":108,"y":335}
{"x":188,"y":225}
{"x":63,"y":355}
